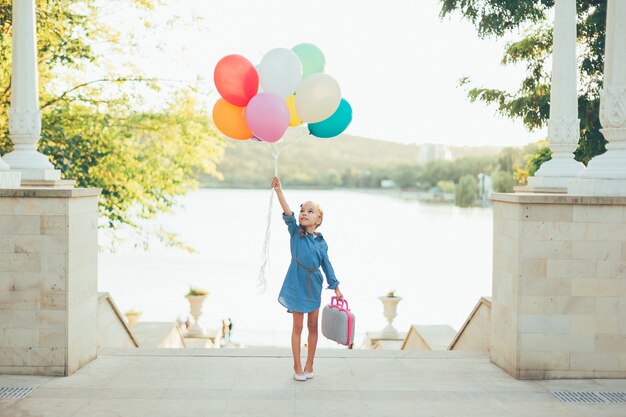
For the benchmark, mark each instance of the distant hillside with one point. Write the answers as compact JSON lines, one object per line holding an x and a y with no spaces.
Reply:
{"x":459,"y":152}
{"x":309,"y":161}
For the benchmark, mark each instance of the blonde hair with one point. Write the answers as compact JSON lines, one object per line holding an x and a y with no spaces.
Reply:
{"x":320,"y":214}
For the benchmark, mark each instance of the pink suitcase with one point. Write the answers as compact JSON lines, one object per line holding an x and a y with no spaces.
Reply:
{"x":338,"y":322}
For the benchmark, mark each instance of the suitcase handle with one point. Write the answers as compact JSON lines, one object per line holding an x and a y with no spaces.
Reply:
{"x":339,"y":302}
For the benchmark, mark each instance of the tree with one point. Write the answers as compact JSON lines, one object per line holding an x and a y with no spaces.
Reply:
{"x":333,"y":179}
{"x":405,"y":175}
{"x":349,"y":178}
{"x":439,"y":170}
{"x":466,"y":191}
{"x":503,"y":181}
{"x":101,"y":132}
{"x":530,"y":102}
{"x":446,"y":186}
{"x":535,"y":159}
{"x":509,"y":158}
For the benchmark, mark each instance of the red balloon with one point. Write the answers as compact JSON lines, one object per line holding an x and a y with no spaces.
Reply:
{"x":236,"y":80}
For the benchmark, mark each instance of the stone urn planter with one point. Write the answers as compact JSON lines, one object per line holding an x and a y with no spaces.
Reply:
{"x":390,"y":305}
{"x":196,"y":299}
{"x":132,"y":316}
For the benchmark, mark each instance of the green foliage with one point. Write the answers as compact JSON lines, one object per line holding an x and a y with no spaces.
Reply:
{"x":503,"y":181}
{"x":530,"y":102}
{"x":406,"y":175}
{"x":497,"y":17}
{"x":140,"y":160}
{"x":534,"y":155}
{"x":58,"y":45}
{"x":466,"y":191}
{"x":197,"y":291}
{"x":537,"y":158}
{"x":446,"y":186}
{"x":353,"y":162}
{"x":347,"y":161}
{"x":100,"y":132}
{"x":509,"y":159}
{"x":443,"y":170}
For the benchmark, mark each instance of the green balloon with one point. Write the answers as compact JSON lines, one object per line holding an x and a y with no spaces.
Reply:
{"x":311,"y":57}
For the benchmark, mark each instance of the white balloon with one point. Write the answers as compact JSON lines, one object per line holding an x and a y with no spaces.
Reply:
{"x":260,"y":89}
{"x":280,"y":72}
{"x":317,"y":98}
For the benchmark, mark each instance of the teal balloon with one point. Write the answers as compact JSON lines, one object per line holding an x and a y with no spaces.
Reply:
{"x":335,"y":124}
{"x":311,"y":57}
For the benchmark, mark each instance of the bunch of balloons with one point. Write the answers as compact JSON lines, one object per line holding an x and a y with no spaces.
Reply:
{"x":288,"y":88}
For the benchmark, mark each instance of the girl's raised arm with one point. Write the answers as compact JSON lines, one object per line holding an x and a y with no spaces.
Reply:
{"x":281,"y":198}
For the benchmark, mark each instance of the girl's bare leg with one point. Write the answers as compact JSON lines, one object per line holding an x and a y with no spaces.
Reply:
{"x":312,"y":327}
{"x":296,"y":333}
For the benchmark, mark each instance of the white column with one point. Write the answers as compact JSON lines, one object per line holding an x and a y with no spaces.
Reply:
{"x":606,"y":173}
{"x":563,"y":125}
{"x":8,"y":179}
{"x":24,"y":115}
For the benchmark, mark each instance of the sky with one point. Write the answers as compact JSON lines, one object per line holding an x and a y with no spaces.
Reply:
{"x":397,"y":63}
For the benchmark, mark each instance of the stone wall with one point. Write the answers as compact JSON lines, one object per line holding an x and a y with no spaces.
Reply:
{"x":414,"y":341}
{"x":559,"y":286}
{"x":428,"y":337}
{"x":113,"y":331}
{"x":475,"y":333}
{"x":48,"y":280}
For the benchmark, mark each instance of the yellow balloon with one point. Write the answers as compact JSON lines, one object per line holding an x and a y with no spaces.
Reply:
{"x":294,"y":120}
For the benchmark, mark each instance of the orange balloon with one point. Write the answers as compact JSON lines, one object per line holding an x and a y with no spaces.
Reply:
{"x":231,"y":120}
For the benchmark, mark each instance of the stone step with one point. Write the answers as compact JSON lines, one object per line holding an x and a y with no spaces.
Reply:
{"x":276,"y":352}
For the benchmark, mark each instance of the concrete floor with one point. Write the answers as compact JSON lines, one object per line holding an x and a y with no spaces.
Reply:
{"x":258,"y":382}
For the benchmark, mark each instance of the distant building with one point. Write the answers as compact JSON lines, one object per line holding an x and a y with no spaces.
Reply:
{"x":432,"y":152}
{"x":485,"y":186}
{"x":388,"y":184}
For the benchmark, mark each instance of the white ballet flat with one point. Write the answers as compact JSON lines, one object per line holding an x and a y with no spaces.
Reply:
{"x":300,"y":377}
{"x":309,"y":375}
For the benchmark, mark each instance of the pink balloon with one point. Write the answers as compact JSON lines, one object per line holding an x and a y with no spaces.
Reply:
{"x":267,"y":116}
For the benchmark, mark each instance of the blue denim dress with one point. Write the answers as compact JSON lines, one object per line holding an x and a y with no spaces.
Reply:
{"x":302,"y":288}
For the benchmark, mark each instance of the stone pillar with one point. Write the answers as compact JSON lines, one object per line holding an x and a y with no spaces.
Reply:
{"x":559,"y":286}
{"x":606,"y":173}
{"x":563,"y":125}
{"x":24,"y":115}
{"x":8,"y":179}
{"x":48,"y":280}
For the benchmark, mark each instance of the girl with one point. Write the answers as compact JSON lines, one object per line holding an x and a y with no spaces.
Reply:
{"x":302,"y":289}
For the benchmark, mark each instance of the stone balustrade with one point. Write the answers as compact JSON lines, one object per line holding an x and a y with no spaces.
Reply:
{"x":48,"y":280}
{"x":559,"y":286}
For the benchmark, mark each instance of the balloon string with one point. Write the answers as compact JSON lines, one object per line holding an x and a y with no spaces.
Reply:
{"x":265,"y":252}
{"x":275,"y":153}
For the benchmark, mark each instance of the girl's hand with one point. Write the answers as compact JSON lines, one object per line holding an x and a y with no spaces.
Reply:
{"x":281,"y":198}
{"x":338,"y":293}
{"x":276,"y":183}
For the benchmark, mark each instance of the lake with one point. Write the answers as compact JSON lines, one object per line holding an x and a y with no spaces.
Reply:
{"x":437,"y":257}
